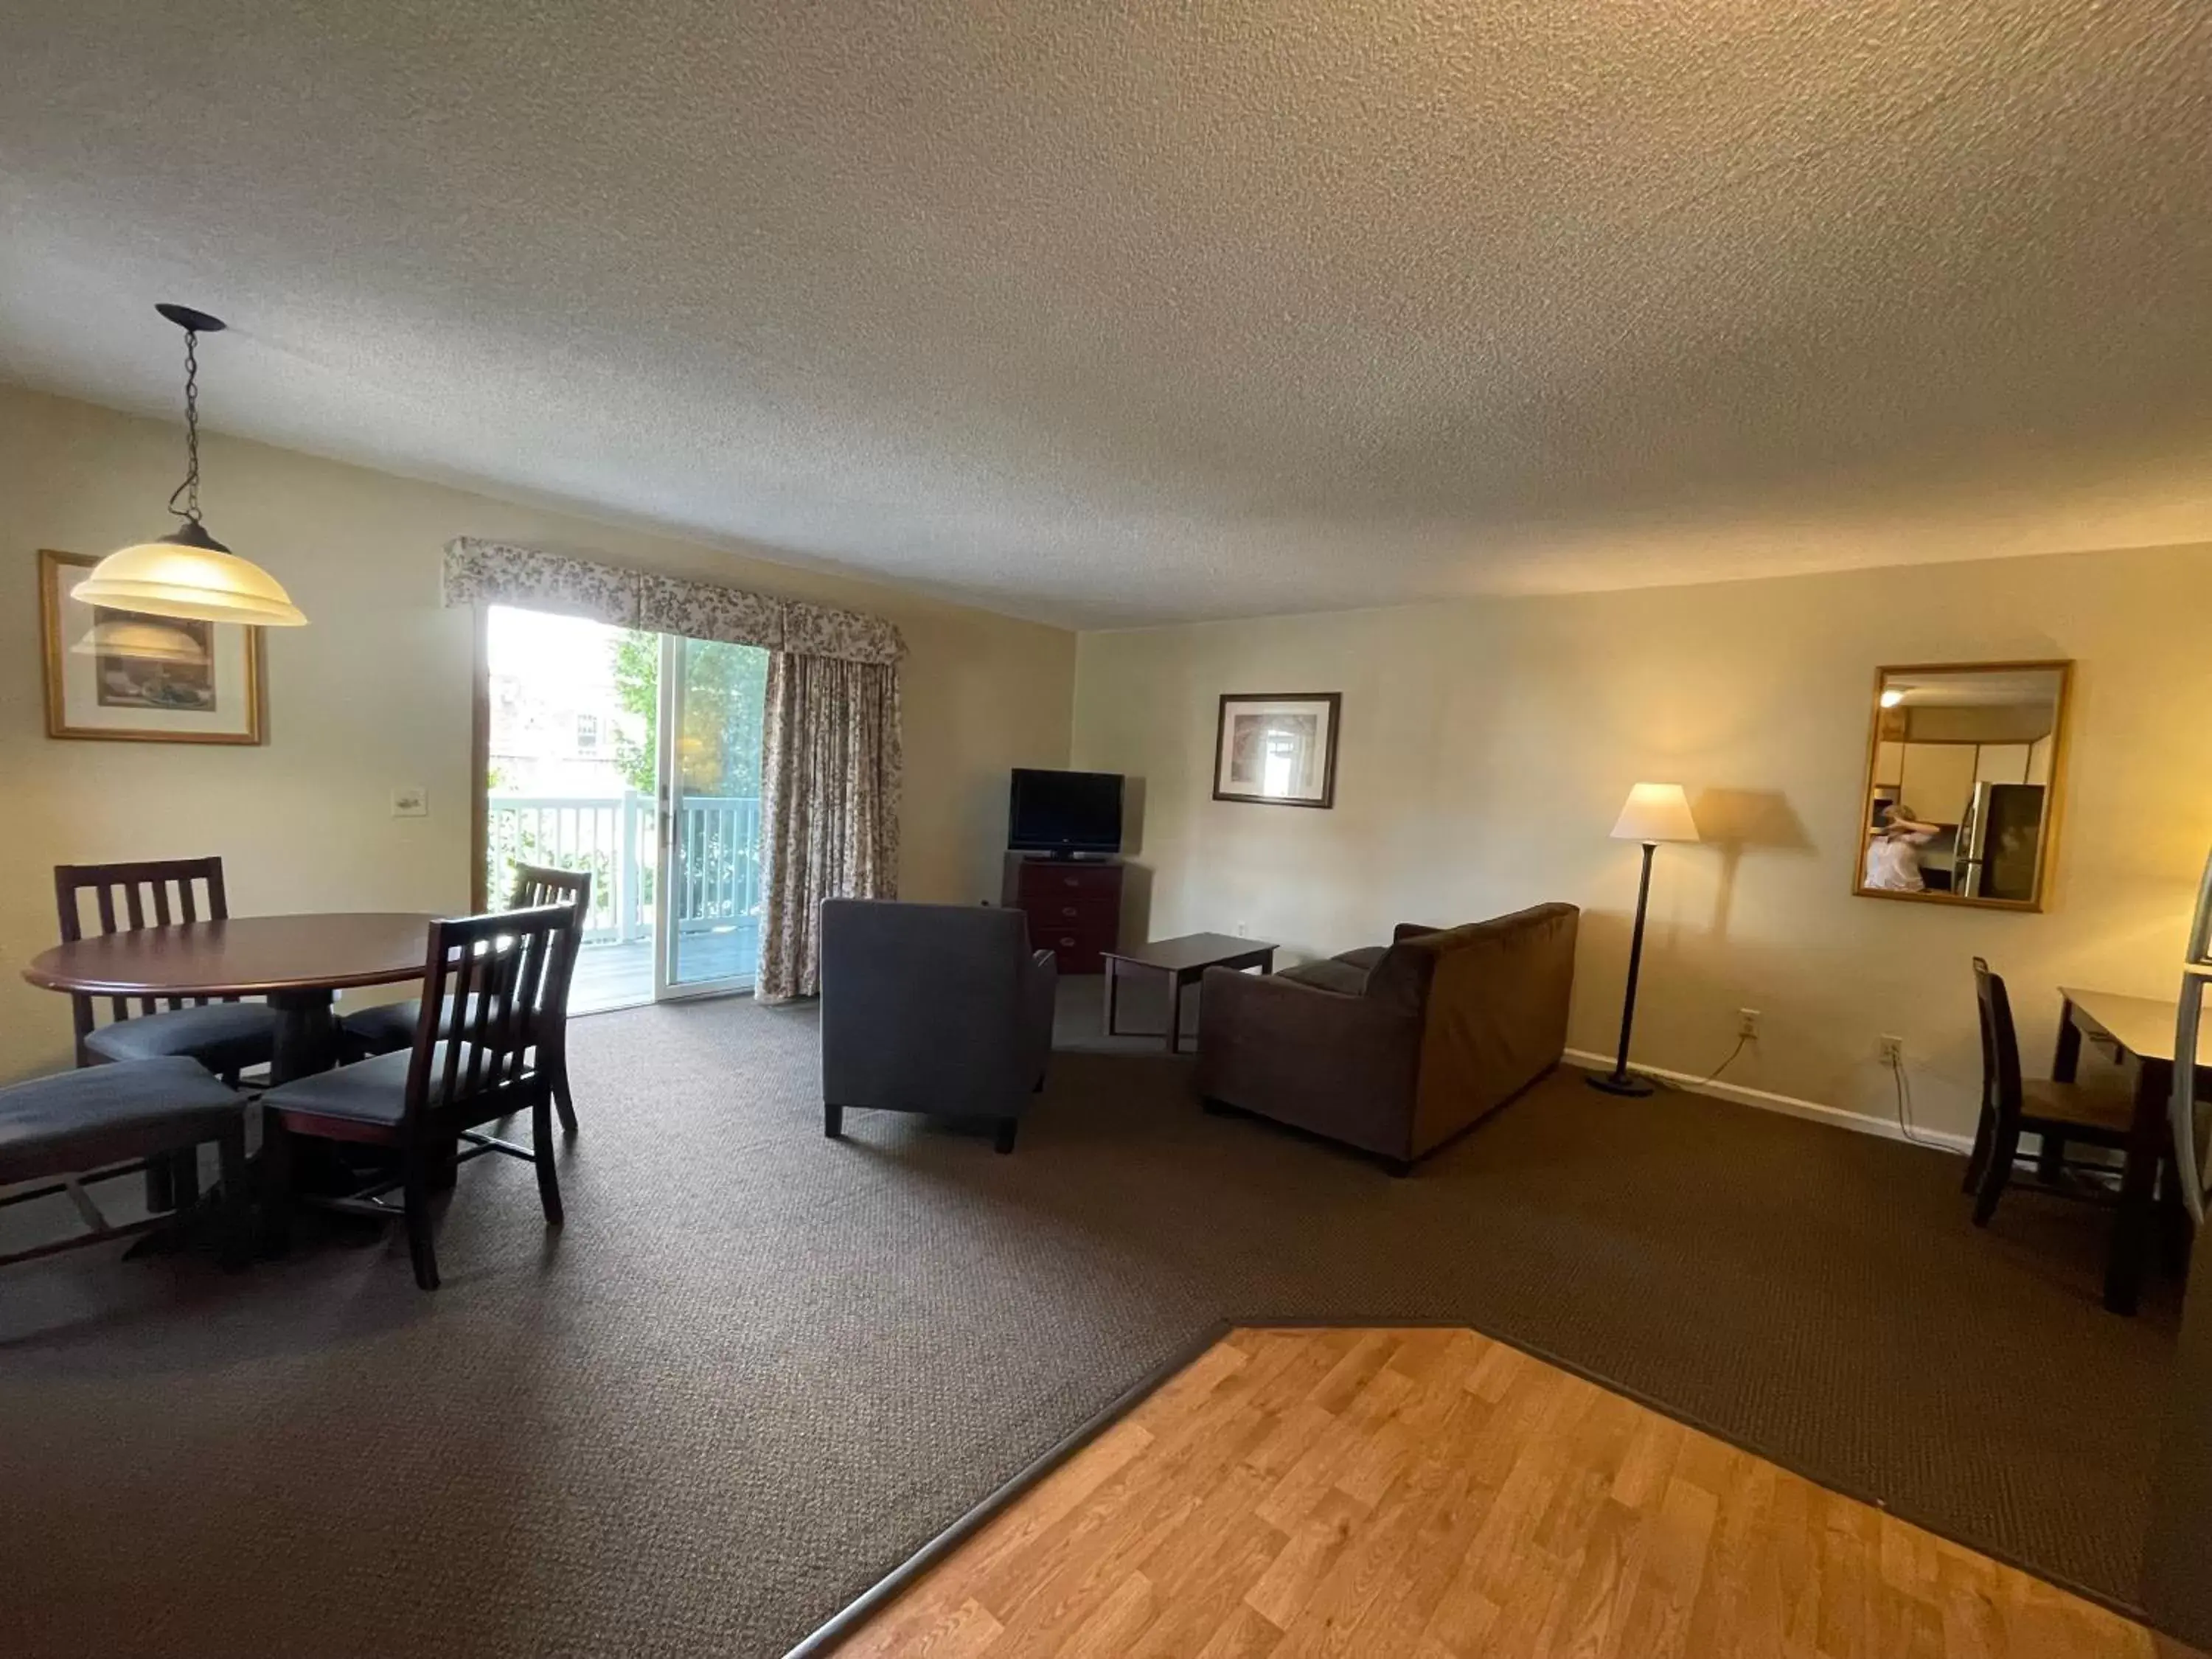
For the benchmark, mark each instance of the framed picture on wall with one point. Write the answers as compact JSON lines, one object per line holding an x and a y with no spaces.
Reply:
{"x":1276,"y":750}
{"x":125,"y":677}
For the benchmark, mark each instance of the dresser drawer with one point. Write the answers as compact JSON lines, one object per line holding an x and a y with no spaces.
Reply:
{"x":1045,"y":879}
{"x":1050,"y":912}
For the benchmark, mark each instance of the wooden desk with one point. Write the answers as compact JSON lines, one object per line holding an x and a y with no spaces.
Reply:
{"x":2140,"y":1029}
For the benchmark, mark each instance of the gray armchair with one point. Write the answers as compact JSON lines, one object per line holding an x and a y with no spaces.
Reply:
{"x":935,"y":1008}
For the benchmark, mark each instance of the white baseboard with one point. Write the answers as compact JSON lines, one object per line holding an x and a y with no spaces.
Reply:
{"x":1768,"y":1101}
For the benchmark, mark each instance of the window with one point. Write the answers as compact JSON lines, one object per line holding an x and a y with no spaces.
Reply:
{"x":587,"y":734}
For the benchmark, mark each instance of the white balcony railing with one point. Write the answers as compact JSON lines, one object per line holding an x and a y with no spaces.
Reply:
{"x":611,"y":836}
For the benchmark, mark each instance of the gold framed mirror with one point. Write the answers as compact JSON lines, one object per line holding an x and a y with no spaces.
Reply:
{"x":1965,"y":766}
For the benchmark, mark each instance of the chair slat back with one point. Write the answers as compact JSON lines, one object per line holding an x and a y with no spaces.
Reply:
{"x":2001,"y":1090}
{"x":538,"y":884}
{"x":124,"y":898}
{"x":486,"y":1002}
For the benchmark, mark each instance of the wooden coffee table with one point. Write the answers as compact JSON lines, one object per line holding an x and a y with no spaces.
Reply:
{"x":1184,"y":961}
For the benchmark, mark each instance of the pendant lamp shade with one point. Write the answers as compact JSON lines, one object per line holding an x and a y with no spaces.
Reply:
{"x":188,"y":573}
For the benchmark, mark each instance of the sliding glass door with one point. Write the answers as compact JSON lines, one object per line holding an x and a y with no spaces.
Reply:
{"x":636,"y":756}
{"x":712,"y":699}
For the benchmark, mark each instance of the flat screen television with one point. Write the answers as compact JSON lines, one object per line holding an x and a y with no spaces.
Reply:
{"x":1063,"y":813}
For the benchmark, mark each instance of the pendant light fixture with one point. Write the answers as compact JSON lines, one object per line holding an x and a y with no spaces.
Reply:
{"x":188,"y":573}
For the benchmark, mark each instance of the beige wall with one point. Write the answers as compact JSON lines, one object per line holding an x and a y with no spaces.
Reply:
{"x":1487,"y":744}
{"x":376,"y":692}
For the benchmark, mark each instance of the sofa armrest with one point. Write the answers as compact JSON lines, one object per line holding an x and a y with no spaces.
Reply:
{"x":1340,"y":1065}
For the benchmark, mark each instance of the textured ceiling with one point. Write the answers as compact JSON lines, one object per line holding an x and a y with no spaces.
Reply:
{"x":1129,"y":311}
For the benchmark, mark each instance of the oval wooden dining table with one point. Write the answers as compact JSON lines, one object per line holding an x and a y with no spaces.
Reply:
{"x":298,"y":963}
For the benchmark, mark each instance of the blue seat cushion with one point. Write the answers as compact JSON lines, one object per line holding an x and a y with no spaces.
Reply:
{"x":40,"y":1119}
{"x":392,"y":1025}
{"x":387,"y":1026}
{"x":223,"y":1036}
{"x":367,"y":1091}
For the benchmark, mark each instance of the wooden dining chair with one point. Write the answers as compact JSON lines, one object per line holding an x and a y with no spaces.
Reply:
{"x":222,"y":1033}
{"x":489,"y":1013}
{"x":390,"y":1026}
{"x":2059,"y":1114}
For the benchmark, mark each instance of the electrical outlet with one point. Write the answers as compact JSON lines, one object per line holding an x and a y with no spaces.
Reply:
{"x":411,"y":800}
{"x":1746,"y":1023}
{"x":1243,"y":930}
{"x":1892,"y":1052}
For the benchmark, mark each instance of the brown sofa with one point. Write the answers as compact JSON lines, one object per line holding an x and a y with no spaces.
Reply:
{"x":1395,"y":1049}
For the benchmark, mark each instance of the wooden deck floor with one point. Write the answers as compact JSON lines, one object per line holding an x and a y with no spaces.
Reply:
{"x":621,"y":975}
{"x":1429,"y":1494}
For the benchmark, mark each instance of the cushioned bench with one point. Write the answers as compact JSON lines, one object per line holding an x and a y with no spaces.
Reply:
{"x":117,"y":1119}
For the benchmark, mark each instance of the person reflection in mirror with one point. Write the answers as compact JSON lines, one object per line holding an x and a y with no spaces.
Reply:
{"x":1892,"y":859}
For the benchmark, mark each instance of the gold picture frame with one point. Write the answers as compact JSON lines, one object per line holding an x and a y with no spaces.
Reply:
{"x":122,"y":677}
{"x":2052,"y":782}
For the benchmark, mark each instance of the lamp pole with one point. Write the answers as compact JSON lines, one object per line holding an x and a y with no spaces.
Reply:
{"x":1619,"y":1081}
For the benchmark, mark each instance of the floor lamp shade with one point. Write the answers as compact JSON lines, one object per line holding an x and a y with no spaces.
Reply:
{"x":1656,"y":811}
{"x":1653,"y":813}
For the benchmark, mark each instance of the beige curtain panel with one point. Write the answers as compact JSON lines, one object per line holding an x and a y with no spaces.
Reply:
{"x":829,"y":806}
{"x":479,"y":572}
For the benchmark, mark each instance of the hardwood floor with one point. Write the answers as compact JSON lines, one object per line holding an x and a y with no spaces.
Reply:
{"x":1431,"y":1494}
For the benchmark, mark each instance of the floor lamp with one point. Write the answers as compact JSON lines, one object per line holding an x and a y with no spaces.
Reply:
{"x":1654,"y":812}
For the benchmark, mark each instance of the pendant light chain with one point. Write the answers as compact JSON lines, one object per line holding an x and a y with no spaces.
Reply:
{"x":190,"y":489}
{"x":187,"y":574}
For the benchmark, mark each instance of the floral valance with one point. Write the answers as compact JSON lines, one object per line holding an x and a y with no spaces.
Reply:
{"x":480,"y":572}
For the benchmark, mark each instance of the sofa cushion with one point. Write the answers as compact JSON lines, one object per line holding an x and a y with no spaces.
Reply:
{"x":1333,"y":975}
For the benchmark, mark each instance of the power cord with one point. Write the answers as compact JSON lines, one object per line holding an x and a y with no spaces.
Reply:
{"x":1742,"y":1038}
{"x":1904,"y":1109}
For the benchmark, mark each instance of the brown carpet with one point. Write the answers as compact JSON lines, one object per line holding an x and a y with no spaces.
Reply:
{"x":758,"y":1368}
